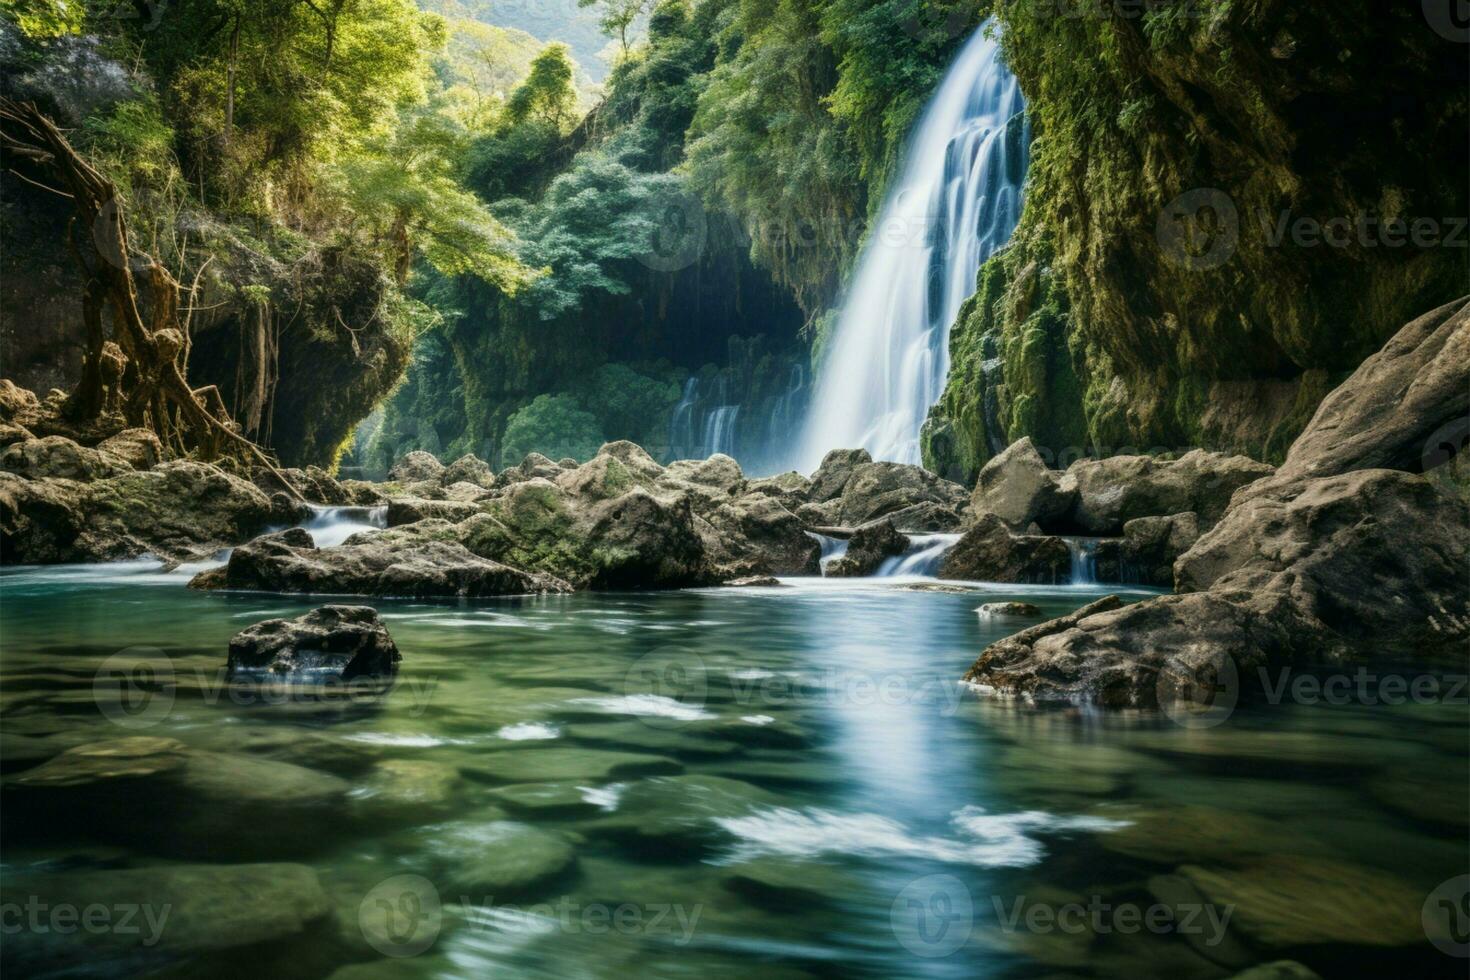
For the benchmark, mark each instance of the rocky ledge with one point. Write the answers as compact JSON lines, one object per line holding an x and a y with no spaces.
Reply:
{"x":1356,"y":549}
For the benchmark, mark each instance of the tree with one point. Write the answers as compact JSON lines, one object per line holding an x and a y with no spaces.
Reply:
{"x":617,"y":16}
{"x":547,"y":92}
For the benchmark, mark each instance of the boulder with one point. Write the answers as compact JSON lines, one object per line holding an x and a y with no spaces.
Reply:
{"x":318,"y":486}
{"x":423,"y":563}
{"x":10,"y":432}
{"x":139,"y":448}
{"x":328,"y":643}
{"x":417,"y":466}
{"x":469,"y":468}
{"x":160,"y":917}
{"x":928,"y":517}
{"x":867,"y":549}
{"x":170,"y":799}
{"x":835,"y":471}
{"x":1109,"y":492}
{"x":1018,"y":487}
{"x":534,"y":466}
{"x":180,"y":510}
{"x":790,"y":488}
{"x":17,"y":404}
{"x":989,"y":552}
{"x":409,"y":510}
{"x":58,"y":456}
{"x":494,"y":861}
{"x":875,"y":490}
{"x":763,"y":537}
{"x":638,"y":541}
{"x":991,"y":610}
{"x":1148,"y":549}
{"x":719,"y":472}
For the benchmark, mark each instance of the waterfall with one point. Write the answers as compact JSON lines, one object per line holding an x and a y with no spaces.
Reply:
{"x":922,"y":558}
{"x":719,"y":431}
{"x":1084,"y":560}
{"x":330,"y":526}
{"x":955,"y":202}
{"x":681,"y":426}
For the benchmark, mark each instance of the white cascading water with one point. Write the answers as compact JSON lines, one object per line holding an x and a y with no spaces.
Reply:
{"x":956,"y":201}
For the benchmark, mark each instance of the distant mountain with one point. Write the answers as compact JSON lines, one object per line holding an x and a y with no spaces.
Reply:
{"x":545,"y":20}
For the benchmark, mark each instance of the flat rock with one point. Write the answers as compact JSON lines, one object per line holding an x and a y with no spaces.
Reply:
{"x":557,"y":764}
{"x":495,"y":861}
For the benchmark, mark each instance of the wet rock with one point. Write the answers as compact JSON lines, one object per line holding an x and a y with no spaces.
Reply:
{"x":867,"y":549}
{"x":787,"y":885}
{"x":1425,"y":795}
{"x":1150,"y":547}
{"x":1006,"y":609}
{"x":1112,"y":491}
{"x":178,"y":912}
{"x":178,"y":510}
{"x":1174,"y":834}
{"x":389,"y":563}
{"x":546,"y":800}
{"x":832,"y":476}
{"x":169,"y":799}
{"x":1018,"y":487}
{"x":404,"y":791}
{"x":407,"y":510}
{"x":764,"y":537}
{"x":1290,"y":902}
{"x":139,"y":448}
{"x":641,"y":541}
{"x":556,"y":764}
{"x":330,"y":642}
{"x":469,"y":468}
{"x":60,"y":457}
{"x":989,"y":552}
{"x":495,"y":861}
{"x":417,"y":466}
{"x":678,"y":814}
{"x":754,"y":582}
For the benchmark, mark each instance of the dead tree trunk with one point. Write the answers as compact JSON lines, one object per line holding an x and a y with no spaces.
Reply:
{"x":143,"y":359}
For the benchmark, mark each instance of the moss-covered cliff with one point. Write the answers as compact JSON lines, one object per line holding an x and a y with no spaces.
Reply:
{"x":1230,"y":204}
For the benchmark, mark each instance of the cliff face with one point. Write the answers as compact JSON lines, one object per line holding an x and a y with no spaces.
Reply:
{"x":1230,"y":206}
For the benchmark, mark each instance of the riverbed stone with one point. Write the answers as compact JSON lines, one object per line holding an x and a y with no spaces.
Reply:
{"x":330,"y":642}
{"x":495,"y":861}
{"x":678,"y":814}
{"x":558,"y":764}
{"x":180,"y":912}
{"x":1170,"y":835}
{"x":1290,"y":902}
{"x":989,"y":552}
{"x":546,"y":801}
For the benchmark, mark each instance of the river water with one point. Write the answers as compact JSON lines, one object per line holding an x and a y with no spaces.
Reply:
{"x":725,"y":782}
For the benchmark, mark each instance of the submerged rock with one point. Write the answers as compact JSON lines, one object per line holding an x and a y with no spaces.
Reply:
{"x":494,"y":860}
{"x":991,"y":609}
{"x":160,"y":915}
{"x":388,"y":563}
{"x":989,"y":552}
{"x":336,"y":642}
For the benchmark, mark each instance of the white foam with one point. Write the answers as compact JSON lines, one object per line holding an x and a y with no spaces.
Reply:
{"x":402,"y":740}
{"x":647,"y":705}
{"x":528,"y":731}
{"x":604,"y":797}
{"x":985,"y":840}
{"x":757,"y":719}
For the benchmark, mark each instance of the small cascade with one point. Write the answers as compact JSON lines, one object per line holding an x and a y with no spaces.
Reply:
{"x":330,"y":526}
{"x":719,"y":431}
{"x":922,"y":559}
{"x":681,"y":425}
{"x":1084,"y":560}
{"x":832,"y":548}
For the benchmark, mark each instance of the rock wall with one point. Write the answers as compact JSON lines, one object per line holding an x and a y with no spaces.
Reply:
{"x":1230,"y":206}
